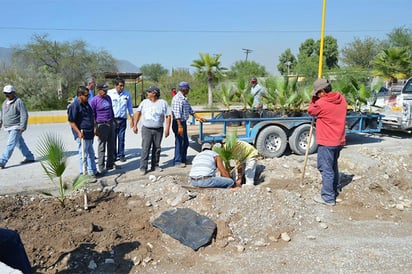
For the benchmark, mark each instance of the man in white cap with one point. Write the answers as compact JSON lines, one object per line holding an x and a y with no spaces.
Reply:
{"x":330,"y":109}
{"x":14,"y":117}
{"x":204,"y":167}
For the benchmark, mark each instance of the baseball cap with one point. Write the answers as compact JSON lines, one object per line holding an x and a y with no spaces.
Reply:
{"x":318,"y":85}
{"x":153,"y":89}
{"x":184,"y":85}
{"x":103,"y":86}
{"x":9,"y":89}
{"x":206,"y":146}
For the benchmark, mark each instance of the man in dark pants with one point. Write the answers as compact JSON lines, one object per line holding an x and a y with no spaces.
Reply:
{"x":155,"y":117}
{"x":104,"y":117}
{"x":330,"y":109}
{"x":181,"y":109}
{"x":12,"y":252}
{"x":122,"y":104}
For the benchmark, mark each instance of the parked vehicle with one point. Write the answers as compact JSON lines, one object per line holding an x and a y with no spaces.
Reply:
{"x":395,"y":105}
{"x":272,"y":135}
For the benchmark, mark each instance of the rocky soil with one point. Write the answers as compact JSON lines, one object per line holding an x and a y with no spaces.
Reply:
{"x":273,"y":227}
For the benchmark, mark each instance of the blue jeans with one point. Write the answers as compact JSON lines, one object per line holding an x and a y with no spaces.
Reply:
{"x":15,"y":140}
{"x":88,"y":155}
{"x":328,"y":167}
{"x":151,"y":140}
{"x":222,"y":182}
{"x":181,"y":143}
{"x":12,"y":251}
{"x":119,"y":133}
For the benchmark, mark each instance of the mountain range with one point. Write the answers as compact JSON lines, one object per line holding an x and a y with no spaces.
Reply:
{"x":122,"y":65}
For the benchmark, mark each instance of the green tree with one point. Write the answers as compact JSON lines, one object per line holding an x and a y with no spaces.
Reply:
{"x":400,"y":37}
{"x":393,"y":63}
{"x":153,"y":71}
{"x":246,"y":69}
{"x":52,"y":70}
{"x":287,"y":62}
{"x":360,"y":53}
{"x":308,"y":57}
{"x":330,"y":51}
{"x":208,"y":67}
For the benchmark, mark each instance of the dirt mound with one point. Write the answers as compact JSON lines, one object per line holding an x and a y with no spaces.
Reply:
{"x":369,"y":231}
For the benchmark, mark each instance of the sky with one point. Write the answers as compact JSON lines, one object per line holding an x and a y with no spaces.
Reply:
{"x":173,"y":32}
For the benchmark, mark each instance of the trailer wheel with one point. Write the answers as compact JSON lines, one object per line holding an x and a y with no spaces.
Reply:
{"x":271,"y":142}
{"x":298,"y":141}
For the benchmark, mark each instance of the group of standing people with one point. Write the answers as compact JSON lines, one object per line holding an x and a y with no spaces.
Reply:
{"x":104,"y":115}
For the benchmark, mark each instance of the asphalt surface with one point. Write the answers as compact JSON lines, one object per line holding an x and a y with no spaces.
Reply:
{"x":30,"y":178}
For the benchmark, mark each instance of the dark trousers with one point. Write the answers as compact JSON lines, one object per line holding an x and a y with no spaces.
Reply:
{"x":181,"y":143}
{"x":119,"y":135}
{"x":105,"y":140}
{"x":151,"y":140}
{"x":328,"y":167}
{"x":12,"y":252}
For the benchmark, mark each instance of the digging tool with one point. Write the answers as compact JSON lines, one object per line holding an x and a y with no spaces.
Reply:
{"x":312,"y":123}
{"x":84,"y":172}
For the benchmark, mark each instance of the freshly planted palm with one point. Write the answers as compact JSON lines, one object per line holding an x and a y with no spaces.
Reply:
{"x":52,"y":152}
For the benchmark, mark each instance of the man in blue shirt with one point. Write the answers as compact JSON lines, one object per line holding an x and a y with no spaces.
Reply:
{"x":122,"y":104}
{"x":81,"y":120}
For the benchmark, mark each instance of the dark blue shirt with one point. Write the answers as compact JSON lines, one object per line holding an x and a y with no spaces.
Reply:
{"x":82,"y":116}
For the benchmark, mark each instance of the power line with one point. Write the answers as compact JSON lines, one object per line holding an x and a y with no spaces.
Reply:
{"x":187,"y":31}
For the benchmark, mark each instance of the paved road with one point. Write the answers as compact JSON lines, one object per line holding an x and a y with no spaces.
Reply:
{"x":17,"y":178}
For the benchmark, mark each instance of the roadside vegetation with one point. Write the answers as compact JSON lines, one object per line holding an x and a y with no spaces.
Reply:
{"x":46,"y":73}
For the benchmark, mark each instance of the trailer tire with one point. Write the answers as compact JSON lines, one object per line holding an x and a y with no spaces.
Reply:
{"x":299,"y":139}
{"x":271,"y":142}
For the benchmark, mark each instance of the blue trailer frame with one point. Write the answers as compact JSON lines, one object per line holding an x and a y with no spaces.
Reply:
{"x":280,"y":131}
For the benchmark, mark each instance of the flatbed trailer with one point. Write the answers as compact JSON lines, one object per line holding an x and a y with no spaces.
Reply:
{"x":271,"y":136}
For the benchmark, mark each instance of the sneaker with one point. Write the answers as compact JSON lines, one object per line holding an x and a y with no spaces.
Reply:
{"x":122,"y":159}
{"x":26,"y":161}
{"x":142,"y":171}
{"x":320,"y":200}
{"x":1,"y":165}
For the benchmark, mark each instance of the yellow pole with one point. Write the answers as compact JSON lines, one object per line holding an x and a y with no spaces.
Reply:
{"x":322,"y":34}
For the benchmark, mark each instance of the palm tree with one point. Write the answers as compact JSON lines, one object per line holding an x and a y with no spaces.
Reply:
{"x":209,"y":67}
{"x":393,"y":63}
{"x":51,"y":149}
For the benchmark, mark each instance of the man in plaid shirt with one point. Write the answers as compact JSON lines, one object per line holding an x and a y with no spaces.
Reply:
{"x":181,"y":109}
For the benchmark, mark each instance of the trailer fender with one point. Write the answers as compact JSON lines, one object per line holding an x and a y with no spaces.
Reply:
{"x":271,"y":142}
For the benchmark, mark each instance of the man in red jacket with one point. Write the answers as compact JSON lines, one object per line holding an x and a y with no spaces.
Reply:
{"x":330,"y":109}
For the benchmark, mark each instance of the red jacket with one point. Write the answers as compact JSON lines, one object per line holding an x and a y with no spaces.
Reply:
{"x":331,"y":119}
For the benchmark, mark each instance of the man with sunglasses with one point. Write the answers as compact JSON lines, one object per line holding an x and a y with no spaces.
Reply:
{"x":14,"y":117}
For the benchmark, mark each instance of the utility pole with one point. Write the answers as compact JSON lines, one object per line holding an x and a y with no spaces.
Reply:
{"x":247,"y":51}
